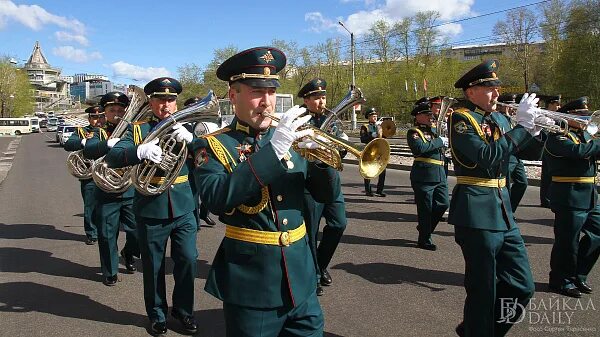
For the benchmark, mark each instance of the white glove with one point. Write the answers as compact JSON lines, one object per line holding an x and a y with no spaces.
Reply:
{"x":374,"y":134}
{"x":181,"y":133}
{"x":111,"y":142}
{"x":445,"y":140}
{"x":527,"y":111}
{"x":344,"y":136}
{"x":83,"y":141}
{"x":150,"y":151}
{"x":285,"y":132}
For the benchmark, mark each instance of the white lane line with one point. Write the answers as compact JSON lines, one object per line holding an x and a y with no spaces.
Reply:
{"x":8,"y":156}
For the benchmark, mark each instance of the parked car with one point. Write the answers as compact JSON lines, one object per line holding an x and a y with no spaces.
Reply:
{"x":66,"y":132}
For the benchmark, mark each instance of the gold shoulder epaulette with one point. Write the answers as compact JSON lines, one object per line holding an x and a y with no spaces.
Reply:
{"x":462,"y":110}
{"x":218,"y":132}
{"x":139,"y":122}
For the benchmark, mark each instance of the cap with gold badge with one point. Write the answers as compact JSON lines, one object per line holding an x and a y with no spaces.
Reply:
{"x":163,"y":87}
{"x":256,"y":67}
{"x":114,"y":97}
{"x":315,"y":87}
{"x":94,"y":111}
{"x":191,"y":100}
{"x":483,"y":74}
{"x":576,"y":107}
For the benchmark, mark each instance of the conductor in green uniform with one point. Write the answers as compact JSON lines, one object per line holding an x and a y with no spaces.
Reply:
{"x":163,"y":216}
{"x":248,"y":175}
{"x":113,"y":209}
{"x":75,"y":142}
{"x":497,"y":268}
{"x":574,"y":201}
{"x":314,"y":95}
{"x":427,"y":175}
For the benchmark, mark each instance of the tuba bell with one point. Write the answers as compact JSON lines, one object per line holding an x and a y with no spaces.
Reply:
{"x":117,"y":180}
{"x":79,"y":166}
{"x":151,"y":178}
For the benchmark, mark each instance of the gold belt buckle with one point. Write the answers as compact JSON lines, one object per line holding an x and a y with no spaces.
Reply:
{"x":284,"y":239}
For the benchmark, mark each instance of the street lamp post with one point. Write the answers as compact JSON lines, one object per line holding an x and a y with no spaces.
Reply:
{"x":353,"y":77}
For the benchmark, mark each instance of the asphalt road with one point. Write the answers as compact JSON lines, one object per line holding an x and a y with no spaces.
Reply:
{"x":383,"y":285}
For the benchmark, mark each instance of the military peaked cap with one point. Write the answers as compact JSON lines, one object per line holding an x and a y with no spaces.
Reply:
{"x":507,"y":98}
{"x":422,"y":100}
{"x":369,"y":112}
{"x":576,"y":107}
{"x":551,"y":99}
{"x":483,"y":74}
{"x":191,"y":101}
{"x":256,"y":67}
{"x":316,"y":87}
{"x":163,"y":87}
{"x":422,"y":108}
{"x":114,"y":97}
{"x":95,"y":110}
{"x":436,"y":100}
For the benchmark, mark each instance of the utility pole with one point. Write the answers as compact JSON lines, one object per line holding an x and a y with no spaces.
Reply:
{"x":353,"y":77}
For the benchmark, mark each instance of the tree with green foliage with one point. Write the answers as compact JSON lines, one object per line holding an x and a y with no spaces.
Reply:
{"x":16,"y":93}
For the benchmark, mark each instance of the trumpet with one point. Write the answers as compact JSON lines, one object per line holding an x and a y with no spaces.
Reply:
{"x":372,"y":159}
{"x":560,"y":121}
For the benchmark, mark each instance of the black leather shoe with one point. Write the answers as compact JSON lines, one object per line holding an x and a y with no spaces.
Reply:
{"x":110,"y":280}
{"x":90,"y":241}
{"x":158,"y":328}
{"x":380,"y":194}
{"x":319,"y":290}
{"x":567,"y":291}
{"x":187,"y":322}
{"x":129,"y":262}
{"x":427,"y":246}
{"x":326,"y":279}
{"x":460,"y":329}
{"x":209,"y":222}
{"x":369,"y":194}
{"x":582,"y":286}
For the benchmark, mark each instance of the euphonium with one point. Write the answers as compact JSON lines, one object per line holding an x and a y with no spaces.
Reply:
{"x":353,"y":97}
{"x":151,"y":178}
{"x":79,"y":166}
{"x":117,"y":180}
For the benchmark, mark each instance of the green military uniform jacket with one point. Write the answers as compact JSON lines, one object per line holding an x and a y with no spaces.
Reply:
{"x":481,"y":145}
{"x":367,"y":131}
{"x":175,"y":201}
{"x":74,"y":141}
{"x":570,"y":157}
{"x":97,"y":147}
{"x":241,"y":180}
{"x":428,"y":150}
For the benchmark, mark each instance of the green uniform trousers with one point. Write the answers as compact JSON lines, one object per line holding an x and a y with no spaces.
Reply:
{"x":153,"y":235}
{"x":545,"y":181}
{"x":110,"y":214}
{"x":519,"y":184}
{"x":88,"y":193}
{"x":304,"y":320}
{"x":496,"y":268}
{"x":573,"y":256}
{"x":380,"y":183}
{"x":432,"y":203}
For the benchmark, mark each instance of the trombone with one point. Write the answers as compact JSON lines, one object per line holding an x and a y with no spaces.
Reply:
{"x":372,"y":159}
{"x":560,"y":121}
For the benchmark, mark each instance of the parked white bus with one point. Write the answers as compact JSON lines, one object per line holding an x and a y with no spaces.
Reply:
{"x":15,"y":126}
{"x":35,"y":124}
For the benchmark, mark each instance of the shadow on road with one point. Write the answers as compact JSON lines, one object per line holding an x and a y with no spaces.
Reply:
{"x":21,"y":260}
{"x":27,"y":231}
{"x":360,"y":240}
{"x":387,"y":273}
{"x":383,"y":216}
{"x":28,"y":297}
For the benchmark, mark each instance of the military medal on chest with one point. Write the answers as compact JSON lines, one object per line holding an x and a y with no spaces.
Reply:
{"x":486,"y":129}
{"x":244,"y":151}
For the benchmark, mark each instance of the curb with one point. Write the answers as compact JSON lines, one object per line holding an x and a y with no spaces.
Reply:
{"x":402,"y":167}
{"x":6,"y":159}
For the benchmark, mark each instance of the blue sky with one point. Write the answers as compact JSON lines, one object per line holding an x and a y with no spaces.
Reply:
{"x":141,"y":40}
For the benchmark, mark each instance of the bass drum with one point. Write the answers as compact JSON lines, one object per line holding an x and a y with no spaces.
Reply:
{"x":204,"y":128}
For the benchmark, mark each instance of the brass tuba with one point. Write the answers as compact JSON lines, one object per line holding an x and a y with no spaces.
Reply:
{"x":79,"y":166}
{"x":117,"y":180}
{"x":151,"y":178}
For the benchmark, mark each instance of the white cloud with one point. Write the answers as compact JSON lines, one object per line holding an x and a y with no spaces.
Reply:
{"x":137,"y":73}
{"x":76,"y":55}
{"x":63,"y":36}
{"x":35,"y":17}
{"x":393,"y":11}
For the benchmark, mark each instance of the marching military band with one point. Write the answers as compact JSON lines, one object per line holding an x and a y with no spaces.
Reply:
{"x":254,"y":175}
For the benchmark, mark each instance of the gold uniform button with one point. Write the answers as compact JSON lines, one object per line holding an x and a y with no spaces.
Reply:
{"x":279,"y":198}
{"x":285,"y":221}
